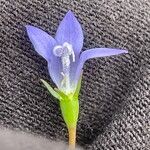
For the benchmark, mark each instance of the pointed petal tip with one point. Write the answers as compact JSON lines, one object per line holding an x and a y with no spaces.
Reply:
{"x":28,"y":27}
{"x":69,"y":13}
{"x":123,"y":51}
{"x":31,"y":28}
{"x":126,"y":51}
{"x":120,"y":51}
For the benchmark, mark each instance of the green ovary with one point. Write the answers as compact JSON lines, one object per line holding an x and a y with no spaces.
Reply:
{"x":70,"y":111}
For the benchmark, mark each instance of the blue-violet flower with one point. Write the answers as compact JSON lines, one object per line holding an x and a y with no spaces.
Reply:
{"x":65,"y":62}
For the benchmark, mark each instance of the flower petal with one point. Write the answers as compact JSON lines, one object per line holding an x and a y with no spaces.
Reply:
{"x":70,"y":31}
{"x":55,"y":69}
{"x":42,"y":42}
{"x":93,"y":53}
{"x":100,"y":52}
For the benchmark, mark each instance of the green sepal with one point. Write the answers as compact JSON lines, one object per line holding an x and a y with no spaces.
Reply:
{"x":50,"y":89}
{"x":70,"y":111}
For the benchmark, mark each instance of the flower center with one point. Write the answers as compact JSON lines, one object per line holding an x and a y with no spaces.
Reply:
{"x":64,"y":52}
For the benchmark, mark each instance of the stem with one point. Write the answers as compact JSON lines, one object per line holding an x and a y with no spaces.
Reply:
{"x":72,"y":138}
{"x":70,"y":110}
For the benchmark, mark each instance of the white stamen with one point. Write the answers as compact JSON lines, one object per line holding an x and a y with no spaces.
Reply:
{"x":62,"y":74}
{"x":65,"y":51}
{"x":73,"y":56}
{"x":70,"y":50}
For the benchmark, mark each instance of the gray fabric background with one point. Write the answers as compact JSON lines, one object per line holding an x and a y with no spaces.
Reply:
{"x":115,"y":94}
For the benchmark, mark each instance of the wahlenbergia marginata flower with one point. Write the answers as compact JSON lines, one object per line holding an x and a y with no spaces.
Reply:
{"x":65,"y":62}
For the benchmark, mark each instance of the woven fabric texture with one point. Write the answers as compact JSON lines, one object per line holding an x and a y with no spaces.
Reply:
{"x":115,"y":94}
